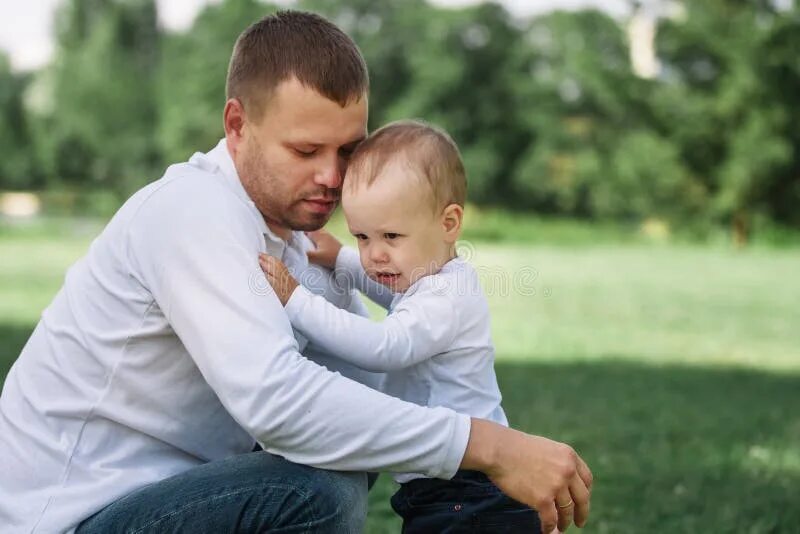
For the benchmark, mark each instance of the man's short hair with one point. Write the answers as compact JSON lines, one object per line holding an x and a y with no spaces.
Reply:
{"x":295,"y":43}
{"x":428,"y":151}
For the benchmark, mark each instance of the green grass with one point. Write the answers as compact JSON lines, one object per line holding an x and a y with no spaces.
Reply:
{"x":673,"y":369}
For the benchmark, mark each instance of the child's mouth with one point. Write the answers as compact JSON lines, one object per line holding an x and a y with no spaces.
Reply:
{"x":386,"y":278}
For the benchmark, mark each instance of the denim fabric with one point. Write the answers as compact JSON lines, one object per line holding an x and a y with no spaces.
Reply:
{"x":250,"y":493}
{"x":468,"y":503}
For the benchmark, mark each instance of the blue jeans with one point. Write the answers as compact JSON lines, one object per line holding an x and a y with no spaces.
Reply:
{"x":468,"y":503}
{"x":250,"y":493}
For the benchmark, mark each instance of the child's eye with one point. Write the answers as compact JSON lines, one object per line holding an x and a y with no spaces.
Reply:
{"x":360,"y":237}
{"x":391,"y":235}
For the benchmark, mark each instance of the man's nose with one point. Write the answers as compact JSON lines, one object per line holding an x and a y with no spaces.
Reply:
{"x":330,"y":175}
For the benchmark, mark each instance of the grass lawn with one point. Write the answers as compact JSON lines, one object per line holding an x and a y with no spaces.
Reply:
{"x":673,"y":369}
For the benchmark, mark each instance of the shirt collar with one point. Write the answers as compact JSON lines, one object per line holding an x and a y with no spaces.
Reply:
{"x":222,"y":160}
{"x":220,"y":157}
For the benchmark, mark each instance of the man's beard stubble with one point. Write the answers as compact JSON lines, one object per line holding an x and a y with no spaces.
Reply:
{"x":269,"y":194}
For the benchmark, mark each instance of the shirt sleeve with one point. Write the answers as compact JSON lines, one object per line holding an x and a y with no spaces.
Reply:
{"x":420,"y":327}
{"x":350,"y":273}
{"x":196,"y":252}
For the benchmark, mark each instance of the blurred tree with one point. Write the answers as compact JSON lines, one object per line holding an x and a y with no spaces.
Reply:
{"x":547,"y":111}
{"x":726,"y":104}
{"x":191,"y":81}
{"x":779,"y":75}
{"x":103,"y":115}
{"x":593,"y":151}
{"x":17,"y":169}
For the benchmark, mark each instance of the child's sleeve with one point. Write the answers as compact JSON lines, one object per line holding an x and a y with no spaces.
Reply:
{"x":351,"y":274}
{"x":419,"y":328}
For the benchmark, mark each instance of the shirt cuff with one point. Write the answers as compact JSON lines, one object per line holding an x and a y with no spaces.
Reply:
{"x":296,"y":302}
{"x":348,"y":263}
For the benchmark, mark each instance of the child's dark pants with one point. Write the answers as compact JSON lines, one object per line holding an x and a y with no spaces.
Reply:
{"x":469,"y":503}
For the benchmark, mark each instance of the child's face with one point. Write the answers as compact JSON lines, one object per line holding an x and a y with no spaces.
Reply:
{"x":400,"y":238}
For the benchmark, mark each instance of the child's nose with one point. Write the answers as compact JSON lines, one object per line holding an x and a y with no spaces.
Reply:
{"x":377,"y":254}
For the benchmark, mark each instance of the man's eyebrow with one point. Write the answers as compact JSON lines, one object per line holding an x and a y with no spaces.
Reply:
{"x":300,"y":142}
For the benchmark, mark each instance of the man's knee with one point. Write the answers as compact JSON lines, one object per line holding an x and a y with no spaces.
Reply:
{"x":318,"y":499}
{"x":338,"y":501}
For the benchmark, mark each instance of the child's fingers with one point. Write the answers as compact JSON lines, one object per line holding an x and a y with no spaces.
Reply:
{"x":317,"y":236}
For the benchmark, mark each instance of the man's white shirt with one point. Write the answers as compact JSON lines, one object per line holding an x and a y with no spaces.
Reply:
{"x":435,"y":345}
{"x":166,"y":348}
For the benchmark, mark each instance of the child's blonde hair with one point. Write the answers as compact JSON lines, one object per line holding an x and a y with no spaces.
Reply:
{"x":428,"y":151}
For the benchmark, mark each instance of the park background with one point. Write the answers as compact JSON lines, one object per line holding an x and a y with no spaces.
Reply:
{"x":634,"y":180}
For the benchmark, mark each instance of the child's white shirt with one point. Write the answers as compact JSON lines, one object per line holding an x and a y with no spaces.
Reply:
{"x":435,"y":344}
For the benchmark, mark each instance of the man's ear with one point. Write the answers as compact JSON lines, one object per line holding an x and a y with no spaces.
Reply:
{"x":233,"y":120}
{"x":452,"y":217}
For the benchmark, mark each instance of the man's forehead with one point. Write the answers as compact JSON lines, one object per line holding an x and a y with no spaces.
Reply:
{"x":301,"y":110}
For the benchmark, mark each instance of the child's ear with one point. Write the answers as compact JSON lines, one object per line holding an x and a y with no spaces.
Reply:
{"x":452,"y":216}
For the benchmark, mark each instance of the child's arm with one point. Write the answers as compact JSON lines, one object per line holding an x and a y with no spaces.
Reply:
{"x":347,"y":268}
{"x":419,"y":328}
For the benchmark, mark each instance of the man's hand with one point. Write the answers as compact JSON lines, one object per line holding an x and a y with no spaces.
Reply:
{"x":327,"y":249}
{"x":279,"y":276}
{"x":544,"y":474}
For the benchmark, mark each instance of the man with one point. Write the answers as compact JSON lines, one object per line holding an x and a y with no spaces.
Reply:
{"x":162,"y":360}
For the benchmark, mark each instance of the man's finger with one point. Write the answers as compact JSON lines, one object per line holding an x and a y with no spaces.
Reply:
{"x":581,"y":497}
{"x":313,"y":236}
{"x":316,"y":236}
{"x":585,"y":473}
{"x":565,"y":508}
{"x":548,"y":517}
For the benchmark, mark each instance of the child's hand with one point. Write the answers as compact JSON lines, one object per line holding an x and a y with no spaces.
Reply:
{"x":327,"y":250}
{"x":279,"y":276}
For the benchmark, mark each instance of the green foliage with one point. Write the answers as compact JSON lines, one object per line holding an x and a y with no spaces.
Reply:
{"x":647,"y":179}
{"x":547,"y":111}
{"x":191,"y":81}
{"x":16,"y":165}
{"x":733,"y":80}
{"x":102,"y":115}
